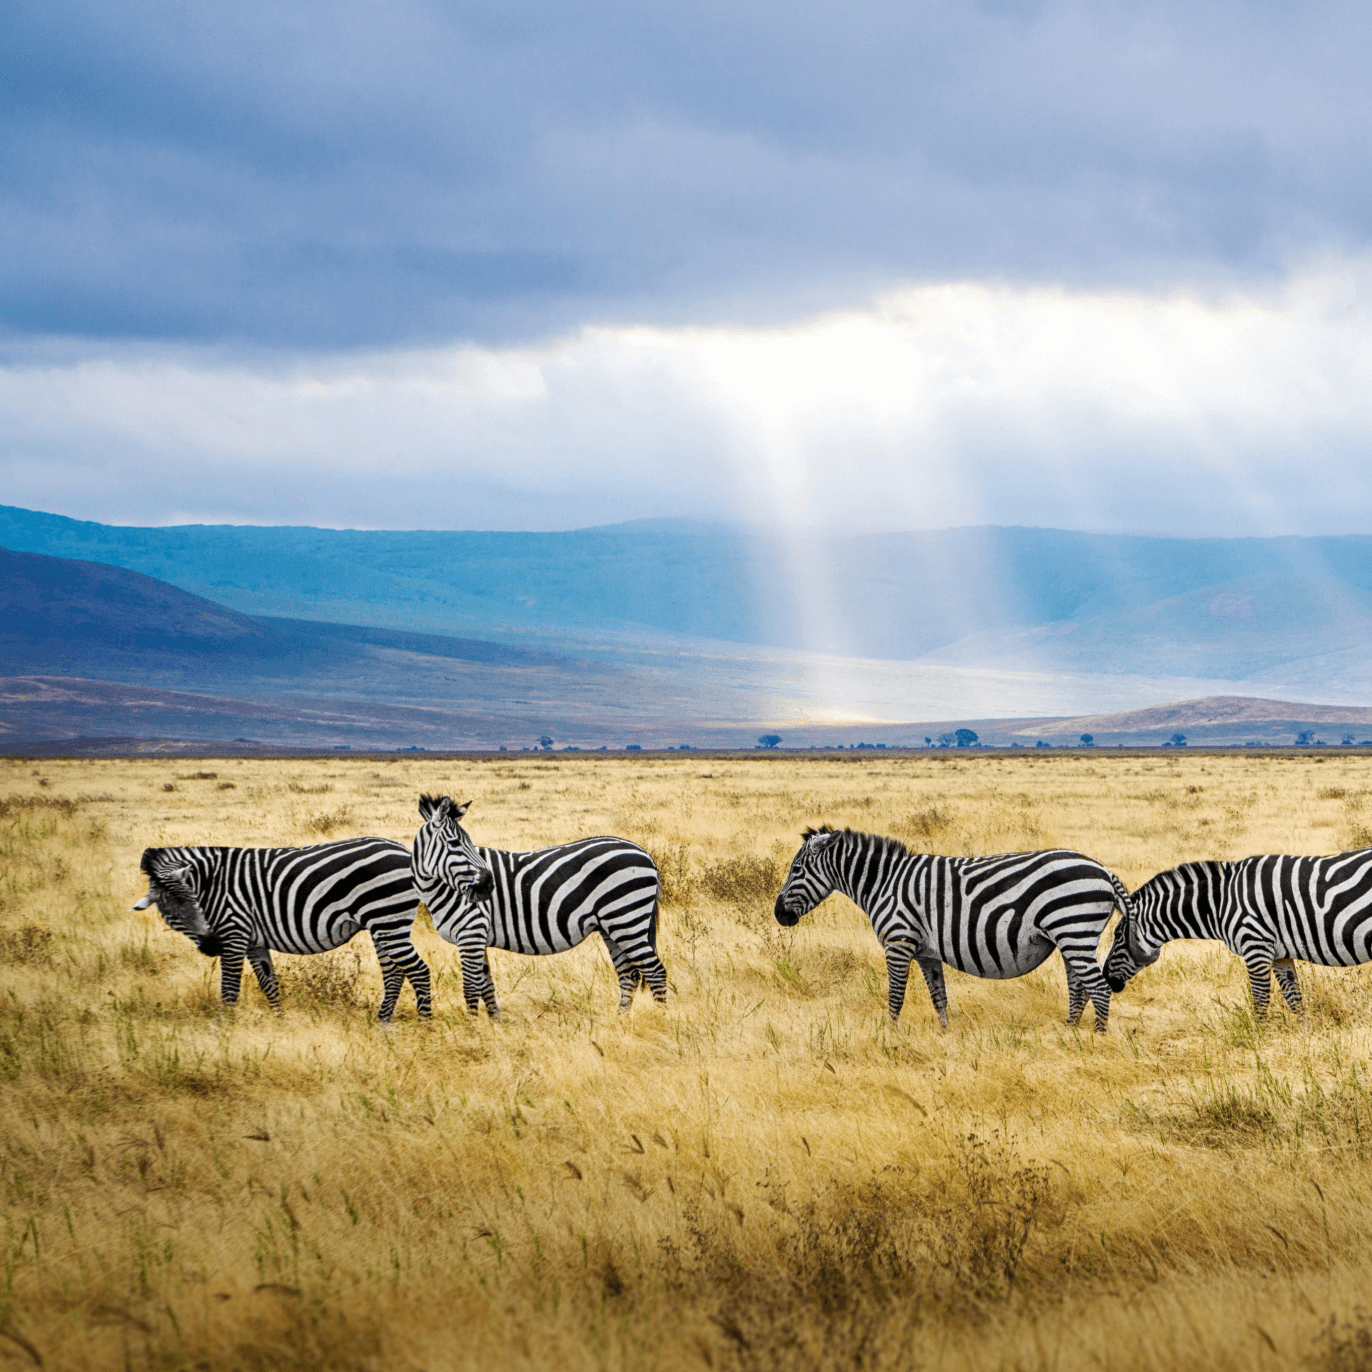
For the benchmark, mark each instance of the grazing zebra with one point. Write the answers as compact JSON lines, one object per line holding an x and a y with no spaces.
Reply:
{"x":236,"y":903}
{"x":540,"y":902}
{"x":990,"y":916}
{"x":1269,"y":910}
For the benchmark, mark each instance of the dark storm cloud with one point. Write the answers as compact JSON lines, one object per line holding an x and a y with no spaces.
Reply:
{"x":335,"y":175}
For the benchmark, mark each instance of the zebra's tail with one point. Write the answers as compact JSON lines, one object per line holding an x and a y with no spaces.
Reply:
{"x":1122,"y":898}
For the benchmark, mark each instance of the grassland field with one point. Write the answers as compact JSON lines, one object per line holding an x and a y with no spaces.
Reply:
{"x":762,"y":1174}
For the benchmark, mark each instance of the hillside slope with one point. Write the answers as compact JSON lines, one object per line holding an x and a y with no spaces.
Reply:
{"x":61,"y":618}
{"x":1040,"y":599}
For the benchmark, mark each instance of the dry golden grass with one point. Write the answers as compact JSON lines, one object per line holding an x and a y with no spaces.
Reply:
{"x":762,"y":1174}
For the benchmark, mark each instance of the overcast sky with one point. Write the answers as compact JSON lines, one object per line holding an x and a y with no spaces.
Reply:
{"x":547,"y":265}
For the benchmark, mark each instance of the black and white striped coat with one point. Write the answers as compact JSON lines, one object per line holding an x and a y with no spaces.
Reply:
{"x":236,"y":903}
{"x":1271,"y":910}
{"x":538,"y":902}
{"x":990,"y":916}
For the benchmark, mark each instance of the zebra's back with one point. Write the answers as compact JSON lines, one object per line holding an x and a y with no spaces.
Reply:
{"x":549,"y":900}
{"x":1317,"y":909}
{"x":308,"y":900}
{"x":1002,"y":916}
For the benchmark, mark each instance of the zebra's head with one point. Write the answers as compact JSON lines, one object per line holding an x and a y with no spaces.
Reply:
{"x":810,"y":879}
{"x":452,"y":878}
{"x":1128,"y":953}
{"x":174,"y":887}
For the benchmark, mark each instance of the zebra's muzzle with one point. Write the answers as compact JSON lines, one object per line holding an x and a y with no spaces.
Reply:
{"x":1116,"y":984}
{"x":783,"y":915}
{"x":211,"y":945}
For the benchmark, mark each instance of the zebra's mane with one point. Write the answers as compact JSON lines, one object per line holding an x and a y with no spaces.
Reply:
{"x":1180,"y":872}
{"x":882,"y":841}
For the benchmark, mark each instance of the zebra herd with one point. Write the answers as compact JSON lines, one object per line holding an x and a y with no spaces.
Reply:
{"x":995,"y":917}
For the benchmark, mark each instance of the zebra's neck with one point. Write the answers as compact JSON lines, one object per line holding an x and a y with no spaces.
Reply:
{"x":1186,"y":902}
{"x":864,"y":865}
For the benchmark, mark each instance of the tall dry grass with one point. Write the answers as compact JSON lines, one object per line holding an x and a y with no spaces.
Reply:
{"x":764,"y":1174}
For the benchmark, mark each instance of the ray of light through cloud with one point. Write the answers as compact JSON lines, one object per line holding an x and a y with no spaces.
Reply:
{"x":937,"y":405}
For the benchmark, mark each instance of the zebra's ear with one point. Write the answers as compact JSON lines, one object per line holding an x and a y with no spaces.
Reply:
{"x":460,"y":810}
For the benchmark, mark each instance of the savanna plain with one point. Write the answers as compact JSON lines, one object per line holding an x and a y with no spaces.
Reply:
{"x":761,"y":1174}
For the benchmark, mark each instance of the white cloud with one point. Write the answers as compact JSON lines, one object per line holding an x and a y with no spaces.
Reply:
{"x":942,"y":404}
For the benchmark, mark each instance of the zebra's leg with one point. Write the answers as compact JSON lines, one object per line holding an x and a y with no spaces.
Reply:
{"x":392,"y":979}
{"x":651,"y":971}
{"x":477,"y":982}
{"x":1285,"y":970}
{"x":629,"y":975}
{"x":1084,"y":978}
{"x":898,"y":957}
{"x":261,"y":960}
{"x":1260,"y":981}
{"x":488,"y":988}
{"x":230,"y":977}
{"x":1076,"y":996}
{"x":634,"y":936}
{"x":932,"y":968}
{"x":399,"y":960}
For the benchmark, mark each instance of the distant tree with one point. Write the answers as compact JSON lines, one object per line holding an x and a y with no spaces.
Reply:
{"x":1305,"y":738}
{"x":545,"y":742}
{"x":1042,"y":744}
{"x":1088,"y":740}
{"x":928,"y":742}
{"x":1347,"y":740}
{"x":947,"y":740}
{"x":1178,"y":740}
{"x":965,"y":737}
{"x":769,"y":740}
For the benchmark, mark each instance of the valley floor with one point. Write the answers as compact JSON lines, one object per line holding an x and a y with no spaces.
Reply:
{"x":764,"y":1174}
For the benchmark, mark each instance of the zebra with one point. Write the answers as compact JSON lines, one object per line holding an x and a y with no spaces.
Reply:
{"x":1269,"y":909}
{"x":990,"y":916}
{"x":236,"y":903}
{"x":540,"y":902}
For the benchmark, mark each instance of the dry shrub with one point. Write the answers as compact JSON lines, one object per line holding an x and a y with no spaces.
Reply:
{"x":18,"y":805}
{"x":326,"y":821}
{"x":26,"y":946}
{"x":921,"y":828}
{"x":675,"y":877}
{"x":1345,"y":1345}
{"x":337,"y":978}
{"x":862,"y":1267}
{"x":743,"y":880}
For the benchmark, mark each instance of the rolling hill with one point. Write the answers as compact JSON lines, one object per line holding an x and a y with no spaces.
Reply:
{"x":1275,"y":611}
